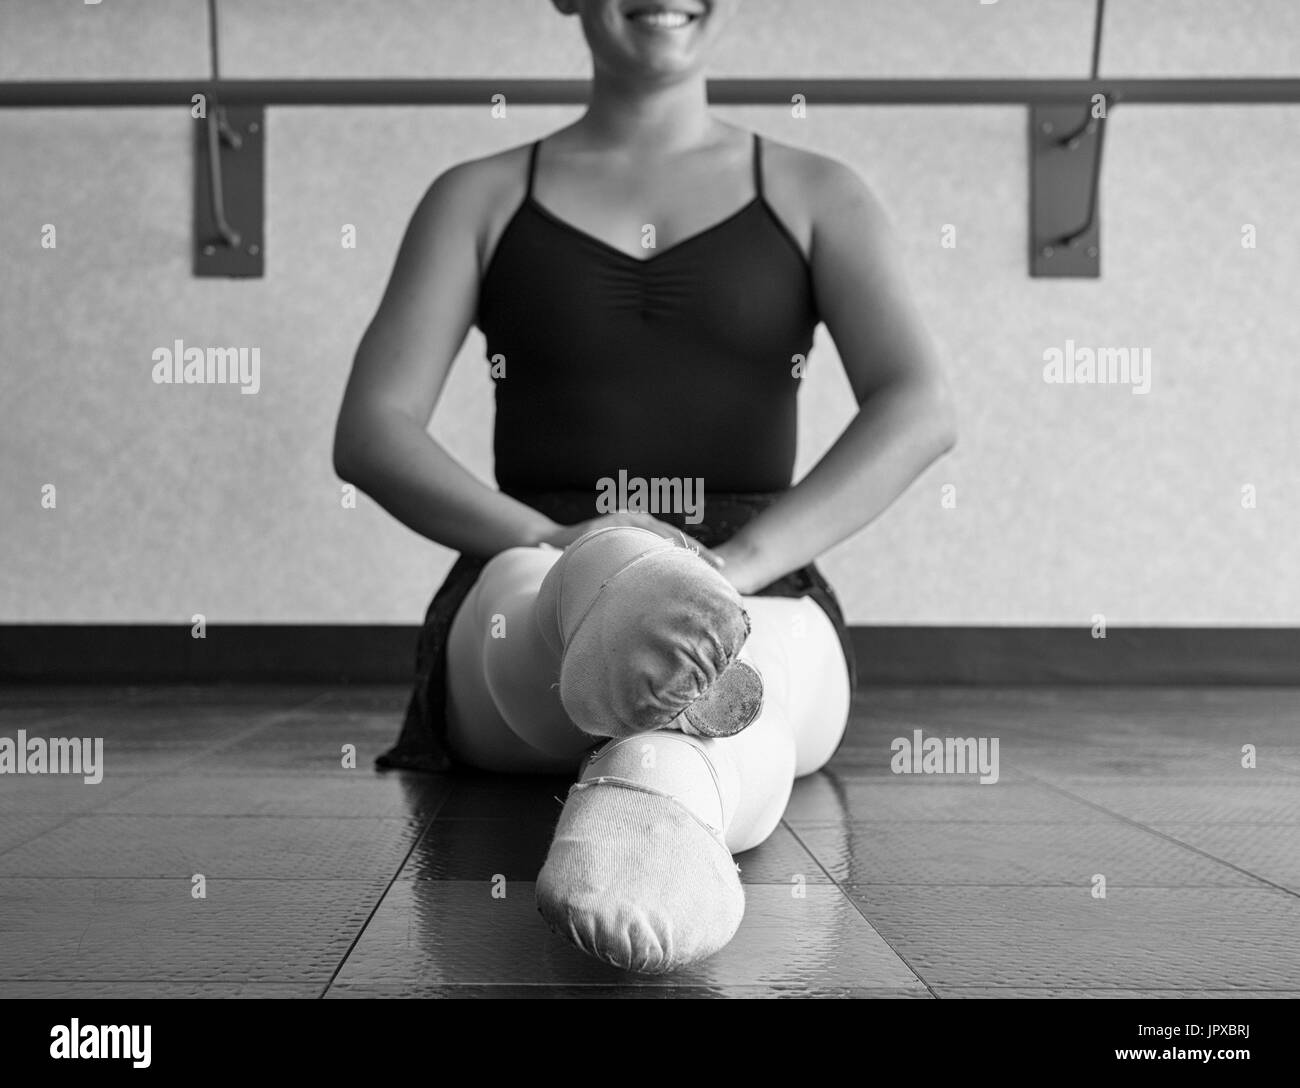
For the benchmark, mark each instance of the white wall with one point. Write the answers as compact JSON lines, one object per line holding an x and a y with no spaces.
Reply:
{"x":1071,"y":500}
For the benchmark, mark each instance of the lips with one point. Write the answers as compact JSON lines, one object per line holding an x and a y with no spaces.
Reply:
{"x":662,"y":18}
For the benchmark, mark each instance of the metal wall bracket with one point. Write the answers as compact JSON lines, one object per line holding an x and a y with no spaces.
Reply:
{"x":228,"y":227}
{"x":1065,"y":146}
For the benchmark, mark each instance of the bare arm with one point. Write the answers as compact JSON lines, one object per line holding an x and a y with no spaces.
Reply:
{"x":904,"y":420}
{"x":381,"y":441}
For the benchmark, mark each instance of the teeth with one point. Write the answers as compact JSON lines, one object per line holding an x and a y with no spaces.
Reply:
{"x":667,"y":20}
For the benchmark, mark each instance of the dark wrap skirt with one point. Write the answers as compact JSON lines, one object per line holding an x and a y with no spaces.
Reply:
{"x":422,"y":744}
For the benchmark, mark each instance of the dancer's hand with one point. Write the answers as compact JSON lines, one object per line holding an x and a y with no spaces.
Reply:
{"x":567,"y":534}
{"x":740,"y":566}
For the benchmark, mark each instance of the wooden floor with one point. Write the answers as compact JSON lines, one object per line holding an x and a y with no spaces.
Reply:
{"x":326,"y":881}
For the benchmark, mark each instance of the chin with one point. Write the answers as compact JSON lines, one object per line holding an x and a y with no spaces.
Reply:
{"x":653,"y":38}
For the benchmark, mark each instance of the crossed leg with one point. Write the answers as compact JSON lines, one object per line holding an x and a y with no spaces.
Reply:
{"x":640,"y":871}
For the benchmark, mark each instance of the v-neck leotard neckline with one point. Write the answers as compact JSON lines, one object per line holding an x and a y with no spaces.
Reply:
{"x":680,"y":365}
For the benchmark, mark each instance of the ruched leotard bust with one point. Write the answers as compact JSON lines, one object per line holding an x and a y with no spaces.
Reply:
{"x":682,"y":364}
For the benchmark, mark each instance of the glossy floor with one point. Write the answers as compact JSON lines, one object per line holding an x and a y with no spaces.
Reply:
{"x":321,"y":879}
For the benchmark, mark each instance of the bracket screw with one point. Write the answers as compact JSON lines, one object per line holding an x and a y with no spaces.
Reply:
{"x":1048,"y":251}
{"x":1092,"y":251}
{"x":254,"y":250}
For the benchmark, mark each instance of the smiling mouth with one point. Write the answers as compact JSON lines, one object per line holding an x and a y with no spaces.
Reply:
{"x":662,"y":18}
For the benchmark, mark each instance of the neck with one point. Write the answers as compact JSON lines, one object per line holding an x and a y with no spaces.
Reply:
{"x":662,"y":118}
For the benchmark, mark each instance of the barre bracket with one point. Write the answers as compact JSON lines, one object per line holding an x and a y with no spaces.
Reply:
{"x":1064,"y":174}
{"x":228,"y":223}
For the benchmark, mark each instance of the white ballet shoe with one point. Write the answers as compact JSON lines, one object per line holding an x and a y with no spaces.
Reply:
{"x":649,"y":636}
{"x":637,"y":880}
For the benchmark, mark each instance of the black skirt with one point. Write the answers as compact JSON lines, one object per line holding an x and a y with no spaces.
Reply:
{"x":422,"y":744}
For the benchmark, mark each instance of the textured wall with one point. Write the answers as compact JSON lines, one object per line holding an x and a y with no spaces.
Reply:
{"x":1070,"y":499}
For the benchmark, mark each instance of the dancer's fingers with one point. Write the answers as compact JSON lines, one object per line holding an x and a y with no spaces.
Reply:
{"x":649,"y":521}
{"x":569,"y":533}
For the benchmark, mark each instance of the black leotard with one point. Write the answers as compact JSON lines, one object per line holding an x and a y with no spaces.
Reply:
{"x":679,"y":365}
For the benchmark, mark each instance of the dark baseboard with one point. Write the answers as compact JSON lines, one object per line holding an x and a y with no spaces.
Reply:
{"x":275,"y":653}
{"x":265,"y":653}
{"x":1070,"y":655}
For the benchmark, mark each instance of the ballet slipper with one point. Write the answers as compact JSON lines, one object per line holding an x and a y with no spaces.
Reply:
{"x":649,"y":636}
{"x":637,"y":880}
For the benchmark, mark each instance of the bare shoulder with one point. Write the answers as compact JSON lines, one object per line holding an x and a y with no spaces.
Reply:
{"x":488,"y":176}
{"x":472,"y":199}
{"x":820,"y":193}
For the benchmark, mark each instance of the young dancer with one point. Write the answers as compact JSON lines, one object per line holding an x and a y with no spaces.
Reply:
{"x":650,"y":279}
